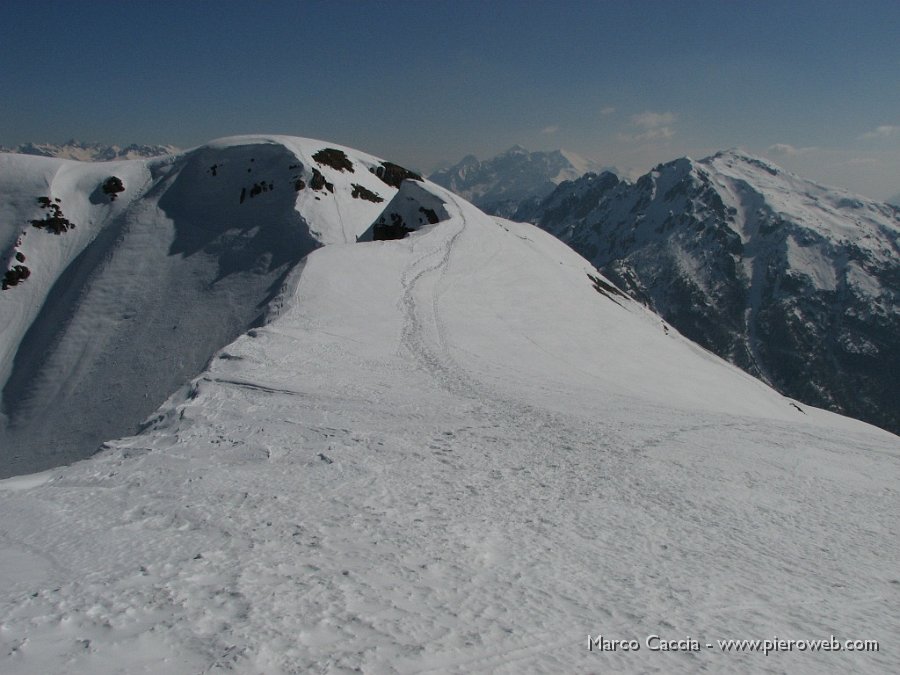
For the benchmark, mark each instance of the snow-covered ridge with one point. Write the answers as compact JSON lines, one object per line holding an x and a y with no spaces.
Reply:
{"x":460,"y":451}
{"x":92,"y":152}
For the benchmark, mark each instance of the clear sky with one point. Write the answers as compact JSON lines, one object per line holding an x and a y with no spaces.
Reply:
{"x":815,"y":86}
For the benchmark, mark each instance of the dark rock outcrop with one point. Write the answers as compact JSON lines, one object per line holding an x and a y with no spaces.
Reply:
{"x":336,"y":159}
{"x":54,"y":221}
{"x":394,"y":174}
{"x":113,"y":185}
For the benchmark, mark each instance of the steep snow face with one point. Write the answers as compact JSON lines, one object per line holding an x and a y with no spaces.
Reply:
{"x":499,"y":185}
{"x":461,"y":451}
{"x":122,"y":308}
{"x":92,"y":152}
{"x":792,"y":281}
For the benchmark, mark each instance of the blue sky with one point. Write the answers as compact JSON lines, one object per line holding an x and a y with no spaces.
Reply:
{"x":815,"y":86}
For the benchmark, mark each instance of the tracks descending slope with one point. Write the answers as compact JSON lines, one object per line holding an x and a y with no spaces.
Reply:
{"x":425,"y":336}
{"x":422,"y":334}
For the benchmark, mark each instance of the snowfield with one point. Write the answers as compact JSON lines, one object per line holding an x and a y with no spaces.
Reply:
{"x":453,"y":453}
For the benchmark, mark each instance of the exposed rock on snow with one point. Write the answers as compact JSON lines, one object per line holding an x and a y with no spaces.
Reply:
{"x":393,"y":174}
{"x":113,"y":186}
{"x":413,"y":207}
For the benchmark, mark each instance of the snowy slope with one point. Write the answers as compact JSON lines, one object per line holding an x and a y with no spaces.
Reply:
{"x":455,"y":452}
{"x":132,"y":302}
{"x":796,"y":283}
{"x":501,"y":184}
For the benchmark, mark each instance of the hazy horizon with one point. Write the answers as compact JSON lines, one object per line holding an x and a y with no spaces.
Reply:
{"x":810,"y":85}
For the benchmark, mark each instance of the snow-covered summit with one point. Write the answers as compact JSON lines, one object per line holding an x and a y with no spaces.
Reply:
{"x":501,"y":184}
{"x":123,"y":278}
{"x":833,"y":213}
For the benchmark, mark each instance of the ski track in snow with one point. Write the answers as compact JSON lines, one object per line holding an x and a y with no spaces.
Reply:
{"x":385,"y":508}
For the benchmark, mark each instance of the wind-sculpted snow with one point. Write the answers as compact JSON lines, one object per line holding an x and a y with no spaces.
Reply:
{"x":796,"y":283}
{"x":450,"y":453}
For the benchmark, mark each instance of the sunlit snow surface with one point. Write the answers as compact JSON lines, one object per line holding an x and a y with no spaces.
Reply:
{"x":449,"y":453}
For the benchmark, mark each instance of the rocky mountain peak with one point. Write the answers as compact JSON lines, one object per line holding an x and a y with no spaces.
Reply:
{"x":793,"y":281}
{"x":501,"y":184}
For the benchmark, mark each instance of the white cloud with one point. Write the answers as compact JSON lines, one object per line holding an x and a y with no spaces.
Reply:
{"x":652,"y":120}
{"x":855,"y":163}
{"x":863,"y":161}
{"x":884,"y":131}
{"x":653,"y":126}
{"x":660,"y":133}
{"x":788,"y":150}
{"x":550,"y":130}
{"x":608,"y":110}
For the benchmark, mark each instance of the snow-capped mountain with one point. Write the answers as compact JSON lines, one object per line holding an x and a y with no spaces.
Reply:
{"x":462,"y":450}
{"x":499,"y":185}
{"x":895,"y":200}
{"x":91,"y":152}
{"x":794,"y":282}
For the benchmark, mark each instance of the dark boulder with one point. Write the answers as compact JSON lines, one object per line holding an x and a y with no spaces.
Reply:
{"x":394,"y":174}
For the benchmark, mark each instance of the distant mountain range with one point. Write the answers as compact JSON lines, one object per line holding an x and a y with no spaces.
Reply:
{"x":796,"y":283}
{"x":91,"y":152}
{"x":500,"y":185}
